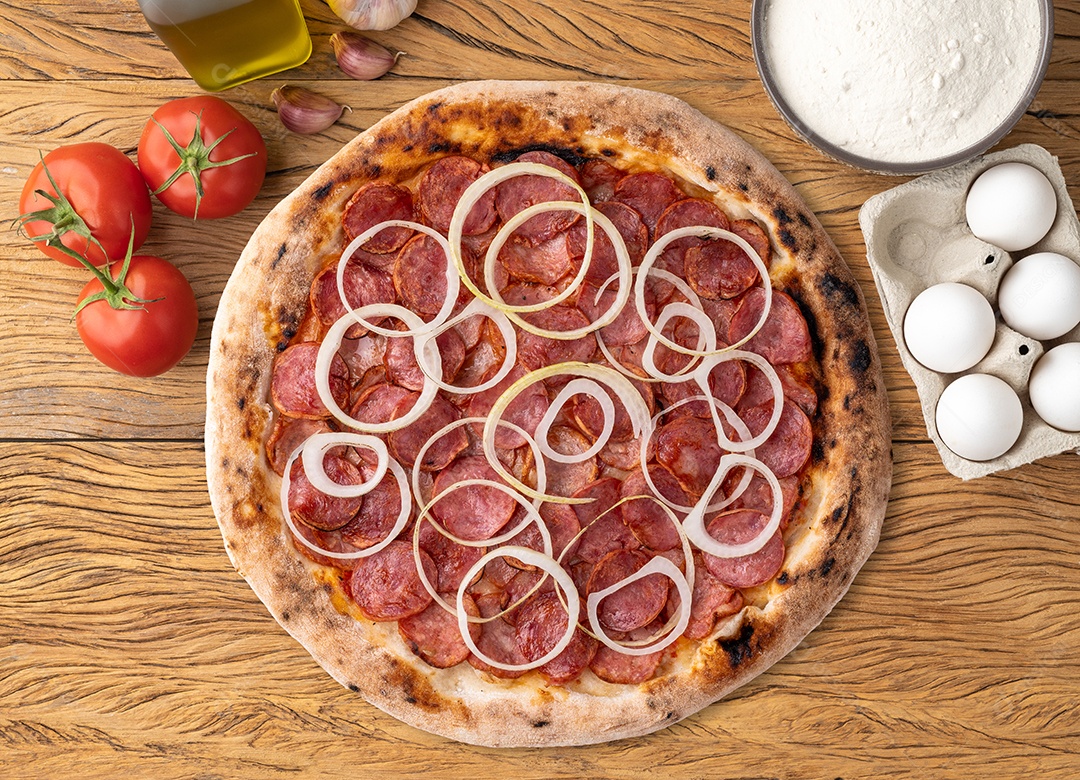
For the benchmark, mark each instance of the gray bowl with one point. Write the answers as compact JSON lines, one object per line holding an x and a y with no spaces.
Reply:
{"x":757,"y":29}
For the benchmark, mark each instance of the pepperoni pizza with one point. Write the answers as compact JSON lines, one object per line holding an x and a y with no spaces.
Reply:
{"x":545,"y":414}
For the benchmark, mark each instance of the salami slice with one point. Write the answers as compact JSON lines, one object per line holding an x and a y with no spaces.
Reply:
{"x":605,"y":262}
{"x":688,"y":448}
{"x":545,"y":262}
{"x":712,"y":600}
{"x":622,"y":669}
{"x":420,"y":275}
{"x":535,"y":352}
{"x":526,"y":410}
{"x":627,"y":328}
{"x":541,"y":623}
{"x":378,"y":403}
{"x":498,"y":641}
{"x":788,"y":448}
{"x":649,"y":523}
{"x":374,"y":203}
{"x":604,"y":535}
{"x":634,"y":605}
{"x":434,"y":634}
{"x":565,"y":479}
{"x":287,"y":434}
{"x":403,"y":370}
{"x":363,"y":285}
{"x":452,"y":560}
{"x":736,"y":527}
{"x":442,"y":186}
{"x":386,"y":585}
{"x":292,"y":383}
{"x":563,"y":525}
{"x":649,"y":194}
{"x":316,"y":509}
{"x":688,"y":212}
{"x":472,"y":513}
{"x":378,"y":514}
{"x":406,"y":443}
{"x":785,"y":336}
{"x":517,"y":194}
{"x":598,"y":179}
{"x":727,"y":383}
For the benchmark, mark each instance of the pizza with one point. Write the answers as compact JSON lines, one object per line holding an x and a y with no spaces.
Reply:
{"x":545,"y":414}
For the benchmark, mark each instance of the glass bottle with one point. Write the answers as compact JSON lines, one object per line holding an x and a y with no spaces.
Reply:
{"x":222,"y":43}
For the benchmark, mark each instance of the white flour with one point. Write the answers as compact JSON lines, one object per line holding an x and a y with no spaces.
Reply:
{"x":902,"y":80}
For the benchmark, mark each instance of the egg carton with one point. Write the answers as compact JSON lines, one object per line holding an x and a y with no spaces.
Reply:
{"x":917,"y":236}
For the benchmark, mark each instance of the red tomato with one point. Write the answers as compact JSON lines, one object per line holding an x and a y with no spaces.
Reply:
{"x":103,"y":187}
{"x":146,"y":341}
{"x":214,"y":174}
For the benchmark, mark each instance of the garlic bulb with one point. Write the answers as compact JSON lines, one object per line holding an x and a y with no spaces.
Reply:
{"x":304,"y":111}
{"x":372,"y":14}
{"x":360,"y":57}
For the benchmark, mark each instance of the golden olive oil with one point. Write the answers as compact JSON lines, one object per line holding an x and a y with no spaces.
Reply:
{"x":222,"y":43}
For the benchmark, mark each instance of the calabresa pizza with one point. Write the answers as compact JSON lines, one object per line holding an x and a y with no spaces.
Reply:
{"x":545,"y":414}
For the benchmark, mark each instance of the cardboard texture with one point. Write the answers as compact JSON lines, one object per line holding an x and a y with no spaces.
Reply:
{"x":916,"y":236}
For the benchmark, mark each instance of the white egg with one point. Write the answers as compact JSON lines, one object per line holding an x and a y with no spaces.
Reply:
{"x":1054,"y":387}
{"x":949,"y":327}
{"x":1011,"y":206}
{"x":1040,"y":296}
{"x":979,"y":417}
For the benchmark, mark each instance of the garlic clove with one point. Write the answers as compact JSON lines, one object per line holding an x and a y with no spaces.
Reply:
{"x":303,"y":111}
{"x":361,"y":57}
{"x":372,"y":14}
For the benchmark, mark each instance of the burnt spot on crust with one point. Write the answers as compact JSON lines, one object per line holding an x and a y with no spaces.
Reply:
{"x":788,"y":239}
{"x":783,"y":578}
{"x":280,"y":254}
{"x":438,"y":147}
{"x":571,"y":156}
{"x":539,"y":724}
{"x":827,"y":566}
{"x":781,"y":215}
{"x":415,"y":689}
{"x":286,"y":616}
{"x":710,"y":173}
{"x":738,"y":649}
{"x":241,"y":402}
{"x":817,"y":451}
{"x":861,"y":357}
{"x":836,"y":288}
{"x":354,"y":687}
{"x":320,"y":193}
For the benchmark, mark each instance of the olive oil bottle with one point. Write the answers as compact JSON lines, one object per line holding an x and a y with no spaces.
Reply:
{"x":222,"y":43}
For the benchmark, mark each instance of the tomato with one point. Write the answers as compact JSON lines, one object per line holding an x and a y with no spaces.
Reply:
{"x":153,"y":337}
{"x":215,"y":172}
{"x":102,"y":194}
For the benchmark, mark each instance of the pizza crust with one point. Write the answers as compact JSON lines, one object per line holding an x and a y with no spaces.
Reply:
{"x":844,"y":496}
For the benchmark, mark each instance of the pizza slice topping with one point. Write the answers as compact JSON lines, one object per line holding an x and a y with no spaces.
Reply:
{"x":543,"y":423}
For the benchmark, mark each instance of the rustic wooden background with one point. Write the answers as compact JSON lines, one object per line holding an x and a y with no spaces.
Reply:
{"x":128,"y":645}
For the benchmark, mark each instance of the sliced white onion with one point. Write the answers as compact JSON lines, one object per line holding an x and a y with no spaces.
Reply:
{"x":329,"y":347}
{"x":313,"y":453}
{"x":472,"y":195}
{"x":475,"y":307}
{"x":654,"y":253}
{"x":540,"y":561}
{"x":706,"y":338}
{"x":576,"y":387}
{"x":695,"y":521}
{"x":701,"y":377}
{"x":656,"y":565}
{"x":453,"y":281}
{"x":399,"y":525}
{"x":620,"y":386}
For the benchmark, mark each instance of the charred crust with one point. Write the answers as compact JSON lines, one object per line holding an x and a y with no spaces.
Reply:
{"x":783,"y":578}
{"x":286,"y":616}
{"x":739,"y":649}
{"x":354,"y":687}
{"x":320,"y":193}
{"x":572,"y":157}
{"x":539,"y":724}
{"x":787,"y":238}
{"x":827,"y":566}
{"x":781,"y":215}
{"x":280,"y":254}
{"x":861,"y":357}
{"x":241,"y":402}
{"x":710,"y":173}
{"x":835,"y":287}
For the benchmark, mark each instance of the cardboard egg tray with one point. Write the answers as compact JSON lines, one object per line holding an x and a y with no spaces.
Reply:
{"x":917,"y":236}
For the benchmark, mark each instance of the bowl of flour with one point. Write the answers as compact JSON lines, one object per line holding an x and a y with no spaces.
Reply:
{"x":902,"y":87}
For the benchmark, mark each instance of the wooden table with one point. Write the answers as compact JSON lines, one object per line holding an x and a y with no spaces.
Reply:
{"x":130,"y":647}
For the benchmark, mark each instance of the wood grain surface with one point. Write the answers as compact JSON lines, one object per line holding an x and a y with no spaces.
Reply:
{"x":130,"y":647}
